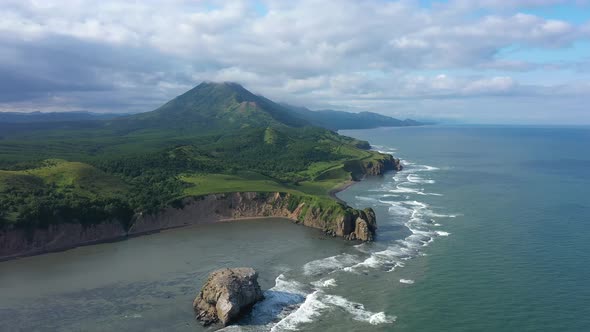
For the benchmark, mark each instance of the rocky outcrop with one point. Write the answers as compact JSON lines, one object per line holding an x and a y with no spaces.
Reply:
{"x":331,"y":217}
{"x":364,"y":226}
{"x":378,"y":164}
{"x":378,"y":167}
{"x":226,"y":295}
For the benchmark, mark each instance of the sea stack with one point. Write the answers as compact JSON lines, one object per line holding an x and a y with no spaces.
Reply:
{"x":226,"y":295}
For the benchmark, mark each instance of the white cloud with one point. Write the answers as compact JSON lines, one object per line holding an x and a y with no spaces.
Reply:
{"x":344,"y":52}
{"x":494,"y":85}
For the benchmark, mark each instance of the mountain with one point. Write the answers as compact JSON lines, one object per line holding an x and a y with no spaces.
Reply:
{"x":335,"y":120}
{"x":215,"y":139}
{"x":16,"y":117}
{"x":207,"y":108}
{"x":211,"y":107}
{"x":225,"y":113}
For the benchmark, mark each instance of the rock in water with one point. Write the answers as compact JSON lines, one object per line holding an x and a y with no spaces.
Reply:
{"x":227,"y":294}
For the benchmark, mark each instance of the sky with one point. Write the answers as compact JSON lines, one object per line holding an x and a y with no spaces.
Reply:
{"x":473,"y":61}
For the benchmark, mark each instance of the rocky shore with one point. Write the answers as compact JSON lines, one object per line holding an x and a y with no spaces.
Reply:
{"x":332,"y":217}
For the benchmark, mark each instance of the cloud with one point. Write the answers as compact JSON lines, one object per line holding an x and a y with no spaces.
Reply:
{"x":132,"y":56}
{"x":500,"y":4}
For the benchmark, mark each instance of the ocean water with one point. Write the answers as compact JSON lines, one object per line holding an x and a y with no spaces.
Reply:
{"x":517,"y":257}
{"x":486,"y":229}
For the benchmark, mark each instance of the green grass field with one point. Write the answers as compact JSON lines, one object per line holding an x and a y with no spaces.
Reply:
{"x":202,"y":184}
{"x":84,"y":179}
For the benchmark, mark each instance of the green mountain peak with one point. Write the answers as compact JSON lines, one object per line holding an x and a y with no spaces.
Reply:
{"x":212,"y":106}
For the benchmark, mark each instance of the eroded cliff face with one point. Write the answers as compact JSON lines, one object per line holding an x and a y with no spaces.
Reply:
{"x":331,"y":217}
{"x":15,"y":243}
{"x":387,"y":163}
{"x":375,"y":166}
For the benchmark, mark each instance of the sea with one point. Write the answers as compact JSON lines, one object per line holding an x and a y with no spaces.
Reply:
{"x":487,"y":228}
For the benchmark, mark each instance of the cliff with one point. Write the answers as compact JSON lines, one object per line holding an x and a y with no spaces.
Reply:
{"x":380,"y":166}
{"x":330,"y":216}
{"x":19,"y":242}
{"x":374,"y":166}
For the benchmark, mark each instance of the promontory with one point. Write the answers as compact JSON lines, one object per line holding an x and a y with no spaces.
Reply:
{"x":216,"y":152}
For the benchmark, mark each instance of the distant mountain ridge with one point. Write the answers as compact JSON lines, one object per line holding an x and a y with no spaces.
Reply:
{"x":211,"y":107}
{"x":335,"y":120}
{"x":18,"y":117}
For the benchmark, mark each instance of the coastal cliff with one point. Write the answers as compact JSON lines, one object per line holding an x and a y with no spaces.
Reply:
{"x":332,"y":217}
{"x":386,"y":163}
{"x":20,"y":242}
{"x":372,"y":167}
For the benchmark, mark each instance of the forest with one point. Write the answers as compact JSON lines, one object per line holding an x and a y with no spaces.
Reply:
{"x":214,"y":138}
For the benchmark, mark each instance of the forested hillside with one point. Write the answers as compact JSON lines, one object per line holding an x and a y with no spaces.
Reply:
{"x":336,"y":120}
{"x":214,"y":138}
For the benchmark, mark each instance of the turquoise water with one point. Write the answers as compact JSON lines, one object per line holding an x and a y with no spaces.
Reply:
{"x":518,"y":256}
{"x":486,"y":229}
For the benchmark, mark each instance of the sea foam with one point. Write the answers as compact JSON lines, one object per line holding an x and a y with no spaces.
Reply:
{"x":325,"y":283}
{"x":279,"y":300}
{"x":358,"y":311}
{"x":311,"y":308}
{"x":318,"y":302}
{"x":399,"y":195}
{"x":329,"y":264}
{"x":413,"y":178}
{"x":406,"y":281}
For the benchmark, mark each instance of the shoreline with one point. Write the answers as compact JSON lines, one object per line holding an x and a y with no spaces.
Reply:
{"x":332,"y":193}
{"x":247,"y":218}
{"x":129,"y":235}
{"x":135,"y":235}
{"x":122,"y":235}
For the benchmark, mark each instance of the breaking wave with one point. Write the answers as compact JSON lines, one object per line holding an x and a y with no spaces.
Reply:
{"x":318,"y":302}
{"x":413,"y":178}
{"x":295,"y":306}
{"x":290,"y":303}
{"x":329,"y":264}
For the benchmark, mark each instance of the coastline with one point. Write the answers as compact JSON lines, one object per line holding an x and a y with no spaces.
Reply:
{"x":14,"y":244}
{"x":332,"y":193}
{"x":343,"y":220}
{"x":246,"y":218}
{"x":135,"y":235}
